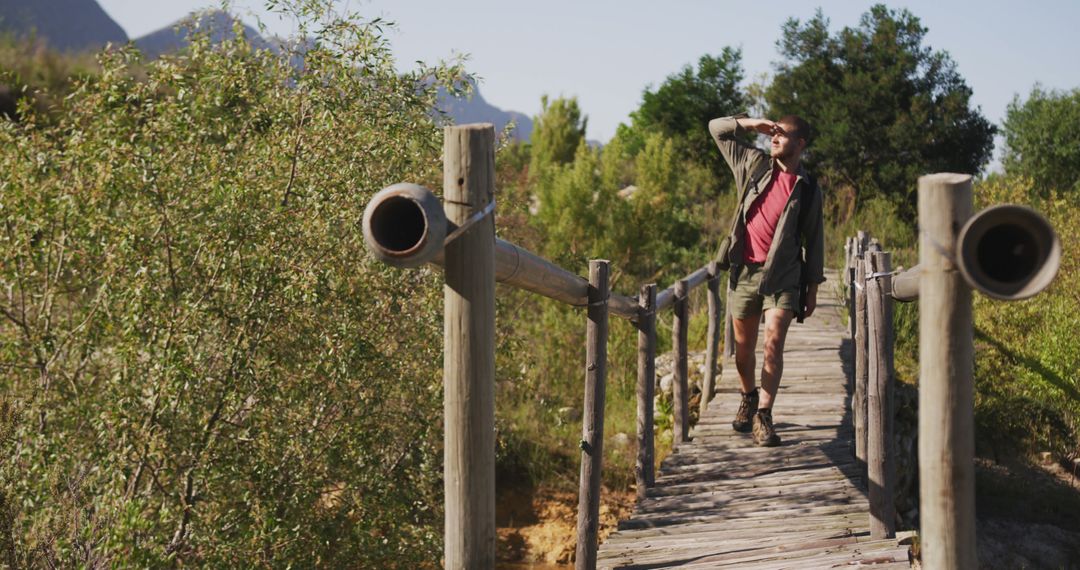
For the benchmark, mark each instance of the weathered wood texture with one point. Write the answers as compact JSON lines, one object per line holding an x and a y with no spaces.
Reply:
{"x":880,"y":457}
{"x":861,"y":374}
{"x":729,"y":327}
{"x":849,"y":276}
{"x":721,"y":502}
{"x":646,"y":389}
{"x":592,"y":428}
{"x":680,"y":387}
{"x":946,"y":388}
{"x":708,"y":385}
{"x":469,"y":360}
{"x":667,"y":297}
{"x":523,"y":269}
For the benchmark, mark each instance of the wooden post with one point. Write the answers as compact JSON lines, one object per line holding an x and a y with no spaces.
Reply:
{"x":680,"y":387}
{"x":729,"y":326}
{"x":708,"y":383}
{"x":592,"y":427}
{"x":646,"y":389}
{"x":880,"y":457}
{"x":469,"y":358}
{"x":850,"y":276}
{"x":946,"y":387}
{"x":862,"y":335}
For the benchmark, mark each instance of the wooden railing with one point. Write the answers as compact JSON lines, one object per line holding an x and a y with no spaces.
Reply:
{"x":473,"y":261}
{"x":869,"y":281}
{"x":406,"y":225}
{"x":1006,"y":252}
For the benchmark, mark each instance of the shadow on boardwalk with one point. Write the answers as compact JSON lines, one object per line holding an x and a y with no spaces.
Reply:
{"x":721,"y":502}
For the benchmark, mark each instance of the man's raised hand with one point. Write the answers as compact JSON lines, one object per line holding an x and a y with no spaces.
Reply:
{"x":763,"y":126}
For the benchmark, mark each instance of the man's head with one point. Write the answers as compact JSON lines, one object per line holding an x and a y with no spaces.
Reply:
{"x":789,"y":141}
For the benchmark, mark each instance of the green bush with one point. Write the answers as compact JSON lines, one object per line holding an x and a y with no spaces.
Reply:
{"x":1027,"y":352}
{"x":207,"y":368}
{"x":37,"y":78}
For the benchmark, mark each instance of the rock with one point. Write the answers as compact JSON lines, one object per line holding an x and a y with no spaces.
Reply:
{"x":620,"y":439}
{"x":568,"y":414}
{"x":666,"y":382}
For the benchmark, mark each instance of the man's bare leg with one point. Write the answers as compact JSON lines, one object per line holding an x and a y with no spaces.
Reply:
{"x":746,"y":333}
{"x":777,"y":322}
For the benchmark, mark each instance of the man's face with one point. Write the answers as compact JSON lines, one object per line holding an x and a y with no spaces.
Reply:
{"x":785,"y":143}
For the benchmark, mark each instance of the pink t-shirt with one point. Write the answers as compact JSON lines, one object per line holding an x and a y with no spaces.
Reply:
{"x":763,"y":215}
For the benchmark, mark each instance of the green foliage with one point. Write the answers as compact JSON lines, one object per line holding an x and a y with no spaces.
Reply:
{"x":636,"y":208}
{"x":557,"y":133}
{"x":1027,"y":390}
{"x":682,"y":106}
{"x":585,"y":212}
{"x":884,"y":108}
{"x":1042,"y":141}
{"x":205,"y":366}
{"x":36,"y":77}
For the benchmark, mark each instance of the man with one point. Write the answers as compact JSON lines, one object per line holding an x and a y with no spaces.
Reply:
{"x":777,"y":245}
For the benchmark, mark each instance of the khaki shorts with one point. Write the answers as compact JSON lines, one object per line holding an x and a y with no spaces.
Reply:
{"x":745,"y":300}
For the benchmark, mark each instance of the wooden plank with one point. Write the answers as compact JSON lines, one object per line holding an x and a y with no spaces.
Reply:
{"x":721,"y":502}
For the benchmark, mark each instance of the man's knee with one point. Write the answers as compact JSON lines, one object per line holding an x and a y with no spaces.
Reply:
{"x":776,"y":334}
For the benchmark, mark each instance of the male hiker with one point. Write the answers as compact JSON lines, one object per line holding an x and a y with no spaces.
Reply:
{"x":775,"y":249}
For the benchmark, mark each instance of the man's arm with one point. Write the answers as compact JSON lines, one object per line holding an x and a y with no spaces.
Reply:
{"x":727,"y":134}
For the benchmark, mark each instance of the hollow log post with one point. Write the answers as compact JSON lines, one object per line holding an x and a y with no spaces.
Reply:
{"x":469,"y":359}
{"x":946,"y":387}
{"x":644,"y":472}
{"x":880,"y":457}
{"x":592,"y":426}
{"x":680,"y":387}
{"x":862,"y":335}
{"x":708,"y":386}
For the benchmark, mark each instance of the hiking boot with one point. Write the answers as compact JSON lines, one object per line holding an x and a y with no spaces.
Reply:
{"x":747,"y":409}
{"x":764,"y":434}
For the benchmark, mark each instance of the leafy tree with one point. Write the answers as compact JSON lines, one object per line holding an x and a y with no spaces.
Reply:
{"x":1042,"y":139}
{"x":201,"y":365}
{"x":885,"y":109}
{"x":557,"y":133}
{"x":682,"y":106}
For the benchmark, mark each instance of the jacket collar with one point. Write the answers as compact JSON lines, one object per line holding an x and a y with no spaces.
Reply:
{"x":800,"y":172}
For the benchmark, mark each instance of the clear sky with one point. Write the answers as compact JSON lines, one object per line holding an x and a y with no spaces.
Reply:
{"x":606,"y":51}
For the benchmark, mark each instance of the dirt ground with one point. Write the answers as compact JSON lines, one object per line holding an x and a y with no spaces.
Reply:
{"x":1028,"y":516}
{"x":537,"y":526}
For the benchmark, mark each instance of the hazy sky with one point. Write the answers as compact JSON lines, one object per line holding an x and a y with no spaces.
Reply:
{"x":606,"y":51}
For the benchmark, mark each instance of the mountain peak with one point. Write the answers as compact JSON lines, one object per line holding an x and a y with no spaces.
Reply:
{"x":65,"y":25}
{"x":475,"y":109}
{"x":217,"y":23}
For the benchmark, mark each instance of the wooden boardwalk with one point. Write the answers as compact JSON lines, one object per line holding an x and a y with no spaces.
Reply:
{"x":721,"y":502}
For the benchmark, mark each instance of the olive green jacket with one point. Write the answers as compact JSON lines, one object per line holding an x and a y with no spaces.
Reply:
{"x":791,"y":244}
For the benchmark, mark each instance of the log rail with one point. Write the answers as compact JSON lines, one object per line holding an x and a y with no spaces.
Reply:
{"x":405,"y":225}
